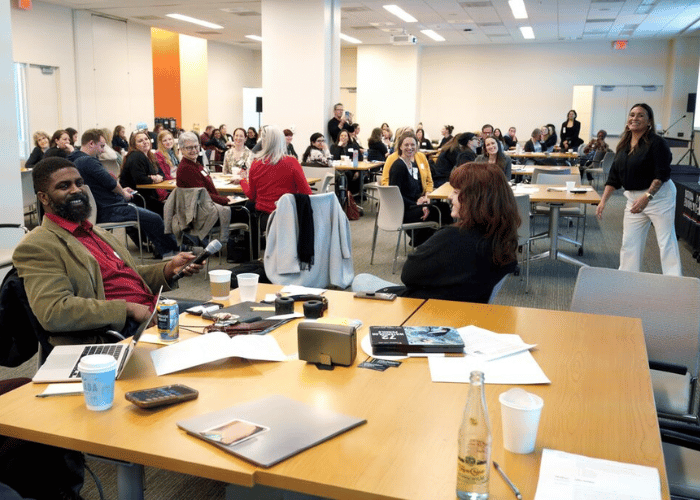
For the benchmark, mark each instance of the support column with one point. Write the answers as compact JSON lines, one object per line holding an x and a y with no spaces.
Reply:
{"x":300,"y":65}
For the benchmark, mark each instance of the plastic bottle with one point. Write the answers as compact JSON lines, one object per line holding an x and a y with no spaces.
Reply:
{"x":474,"y":444}
{"x":355,"y":157}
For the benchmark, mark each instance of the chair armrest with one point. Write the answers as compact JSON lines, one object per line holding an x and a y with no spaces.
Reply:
{"x":680,"y":439}
{"x":667,"y":367}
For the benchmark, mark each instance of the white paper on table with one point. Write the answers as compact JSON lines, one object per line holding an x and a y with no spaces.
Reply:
{"x":490,"y":345}
{"x":520,"y":369}
{"x":215,"y":346}
{"x":566,"y":476}
{"x":525,"y":189}
{"x":63,"y":389}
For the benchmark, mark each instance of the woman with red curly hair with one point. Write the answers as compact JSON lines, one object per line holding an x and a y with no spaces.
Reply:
{"x":465,"y":260}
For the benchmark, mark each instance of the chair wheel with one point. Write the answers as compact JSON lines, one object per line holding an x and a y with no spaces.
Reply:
{"x":580,"y":251}
{"x":516,"y":272}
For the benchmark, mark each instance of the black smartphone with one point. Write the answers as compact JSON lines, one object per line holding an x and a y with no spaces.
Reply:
{"x":375,"y":295}
{"x":161,"y":396}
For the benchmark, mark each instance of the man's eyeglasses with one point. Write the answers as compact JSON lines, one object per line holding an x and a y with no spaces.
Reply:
{"x":191,"y":148}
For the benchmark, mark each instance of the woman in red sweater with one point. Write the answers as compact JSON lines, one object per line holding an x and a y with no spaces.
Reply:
{"x":273,"y":173}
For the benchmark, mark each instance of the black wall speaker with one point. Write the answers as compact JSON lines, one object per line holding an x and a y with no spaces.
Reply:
{"x":691,"y":103}
{"x":258,"y":104}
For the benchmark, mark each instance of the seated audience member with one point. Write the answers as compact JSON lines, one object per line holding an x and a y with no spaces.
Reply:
{"x":238,"y":158}
{"x":470,"y":143}
{"x":499,"y":136}
{"x":423,"y":143}
{"x":534,"y":145}
{"x":41,"y":145}
{"x":78,"y":276}
{"x":409,"y":177}
{"x":167,"y":154}
{"x":60,"y":145}
{"x":273,"y":174}
{"x":549,"y":138}
{"x":119,"y":142}
{"x":387,"y":137}
{"x":288,"y":137}
{"x":447,"y":160}
{"x":140,"y":167}
{"x":446,"y":135}
{"x":317,"y":152}
{"x":511,"y":140}
{"x":108,"y":153}
{"x":251,"y":138}
{"x":376,"y":149}
{"x":570,"y":131}
{"x":157,"y":129}
{"x":191,"y":174}
{"x":227,"y":138}
{"x":111,"y":198}
{"x":341,"y":146}
{"x":355,"y":141}
{"x":73,"y":134}
{"x":596,"y":145}
{"x":466,"y":260}
{"x":217,"y":145}
{"x":493,"y":154}
{"x":204,"y":139}
{"x":258,"y":146}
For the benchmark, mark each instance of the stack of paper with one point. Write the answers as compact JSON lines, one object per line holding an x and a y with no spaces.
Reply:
{"x":503,"y":358}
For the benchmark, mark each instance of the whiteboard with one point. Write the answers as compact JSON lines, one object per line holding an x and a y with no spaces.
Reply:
{"x":612,"y":103}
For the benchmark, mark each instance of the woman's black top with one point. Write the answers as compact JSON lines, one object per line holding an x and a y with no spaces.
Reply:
{"x":636,"y":172}
{"x":376,"y":151}
{"x":35,"y":157}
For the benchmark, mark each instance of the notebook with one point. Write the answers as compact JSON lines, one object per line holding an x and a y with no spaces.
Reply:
{"x":62,"y":363}
{"x":290,"y":428}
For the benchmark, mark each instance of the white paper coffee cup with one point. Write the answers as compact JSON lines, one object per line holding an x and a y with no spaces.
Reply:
{"x":520,"y":416}
{"x":98,"y":372}
{"x":220,"y":283}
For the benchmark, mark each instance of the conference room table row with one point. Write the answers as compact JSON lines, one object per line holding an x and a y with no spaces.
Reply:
{"x":599,"y":404}
{"x":224,"y":184}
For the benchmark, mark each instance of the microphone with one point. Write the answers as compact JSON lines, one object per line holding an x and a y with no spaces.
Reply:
{"x":213,"y":247}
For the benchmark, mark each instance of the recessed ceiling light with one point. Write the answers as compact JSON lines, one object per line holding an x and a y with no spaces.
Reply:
{"x":401,"y":14}
{"x":527,"y":32}
{"x":192,"y":20}
{"x":254,"y":37}
{"x":349,"y":39}
{"x":518,"y":8}
{"x":433,"y":35}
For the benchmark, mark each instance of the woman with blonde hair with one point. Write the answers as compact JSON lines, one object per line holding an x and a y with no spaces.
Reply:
{"x":168,"y":155}
{"x":140,"y":167}
{"x":41,"y":145}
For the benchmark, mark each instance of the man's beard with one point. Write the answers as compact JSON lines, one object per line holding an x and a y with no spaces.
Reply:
{"x":71,"y":209}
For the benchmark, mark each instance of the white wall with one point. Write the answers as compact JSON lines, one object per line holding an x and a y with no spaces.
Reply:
{"x":44,"y":35}
{"x":230,"y":69}
{"x":389,"y":86}
{"x":524,"y":85}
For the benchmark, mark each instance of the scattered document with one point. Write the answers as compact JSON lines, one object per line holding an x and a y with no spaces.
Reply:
{"x":520,"y":369}
{"x":525,"y":189}
{"x":215,"y":346}
{"x":65,"y":389}
{"x":490,"y":345}
{"x":302,"y":290}
{"x":566,"y":476}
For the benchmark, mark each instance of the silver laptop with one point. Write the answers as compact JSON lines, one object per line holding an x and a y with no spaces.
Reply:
{"x":62,"y":363}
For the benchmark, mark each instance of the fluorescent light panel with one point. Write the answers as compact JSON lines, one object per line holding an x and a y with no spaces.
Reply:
{"x":433,"y":35}
{"x":518,"y":8}
{"x":401,"y":14}
{"x":349,"y":39}
{"x":254,"y":37}
{"x":192,"y":20}
{"x":527,"y":32}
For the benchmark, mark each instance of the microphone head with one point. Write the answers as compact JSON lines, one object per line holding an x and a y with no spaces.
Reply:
{"x":213,"y":246}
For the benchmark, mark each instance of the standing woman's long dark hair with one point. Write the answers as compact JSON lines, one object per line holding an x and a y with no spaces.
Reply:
{"x":626,"y":136}
{"x":487,"y":204}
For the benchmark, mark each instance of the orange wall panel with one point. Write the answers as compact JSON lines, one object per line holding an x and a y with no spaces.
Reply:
{"x":166,"y":74}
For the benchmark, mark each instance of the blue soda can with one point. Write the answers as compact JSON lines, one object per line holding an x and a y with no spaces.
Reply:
{"x":168,"y":320}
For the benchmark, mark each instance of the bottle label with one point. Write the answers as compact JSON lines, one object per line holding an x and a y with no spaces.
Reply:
{"x":473,"y":469}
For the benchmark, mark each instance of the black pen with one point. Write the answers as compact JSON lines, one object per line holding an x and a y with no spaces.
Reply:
{"x":508,"y":481}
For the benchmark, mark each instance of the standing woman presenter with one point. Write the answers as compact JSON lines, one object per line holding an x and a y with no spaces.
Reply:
{"x":642,"y":166}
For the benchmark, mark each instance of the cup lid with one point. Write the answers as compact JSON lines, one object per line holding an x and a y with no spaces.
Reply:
{"x":97,"y":362}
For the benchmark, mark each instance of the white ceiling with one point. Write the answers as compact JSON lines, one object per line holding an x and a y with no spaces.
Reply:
{"x":487,"y":21}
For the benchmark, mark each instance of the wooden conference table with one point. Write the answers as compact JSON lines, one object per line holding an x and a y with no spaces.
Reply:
{"x":222,"y":183}
{"x":599,"y":404}
{"x":555,"y":197}
{"x":539,"y":156}
{"x":362,"y":166}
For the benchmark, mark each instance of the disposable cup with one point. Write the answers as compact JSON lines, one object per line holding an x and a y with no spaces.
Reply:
{"x":570,"y":185}
{"x":520,"y":416}
{"x":220,"y":283}
{"x":98,"y":372}
{"x":248,"y":286}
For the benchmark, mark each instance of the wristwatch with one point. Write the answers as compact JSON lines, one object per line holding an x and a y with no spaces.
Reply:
{"x":649,"y":195}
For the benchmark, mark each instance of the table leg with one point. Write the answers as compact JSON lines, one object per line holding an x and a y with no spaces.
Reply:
{"x":130,"y":481}
{"x":554,"y":253}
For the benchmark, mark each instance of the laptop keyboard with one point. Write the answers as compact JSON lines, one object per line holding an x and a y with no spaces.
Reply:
{"x":111,"y":349}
